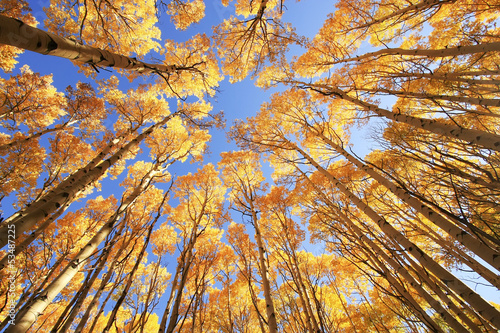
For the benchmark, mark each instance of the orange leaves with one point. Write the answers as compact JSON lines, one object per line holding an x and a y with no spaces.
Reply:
{"x":137,"y":107}
{"x":126,"y":27}
{"x":18,"y":9}
{"x":241,"y":172}
{"x":246,"y":45}
{"x":20,"y":169}
{"x":164,"y":240}
{"x":176,"y":142}
{"x":184,"y":13}
{"x":201,"y":197}
{"x":196,"y":71}
{"x":85,"y":108}
{"x":30,"y":99}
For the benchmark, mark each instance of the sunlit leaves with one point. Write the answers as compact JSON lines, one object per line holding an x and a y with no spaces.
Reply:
{"x":184,"y":13}
{"x":246,"y":45}
{"x":18,"y":9}
{"x":227,"y":246}
{"x":30,"y":99}
{"x":196,"y":70}
{"x":126,"y":27}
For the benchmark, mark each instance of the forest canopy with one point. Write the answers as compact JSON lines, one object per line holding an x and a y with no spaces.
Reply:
{"x":122,"y":213}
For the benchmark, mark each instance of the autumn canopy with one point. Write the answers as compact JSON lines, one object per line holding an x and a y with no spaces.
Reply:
{"x":120,"y":214}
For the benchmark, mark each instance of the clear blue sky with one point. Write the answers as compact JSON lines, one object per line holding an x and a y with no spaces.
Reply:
{"x":238,"y":100}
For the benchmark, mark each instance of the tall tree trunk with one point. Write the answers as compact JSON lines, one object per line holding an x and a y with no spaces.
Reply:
{"x":66,"y":191}
{"x":409,"y":10}
{"x":410,"y":94}
{"x":34,"y":235}
{"x":174,"y":311}
{"x":451,"y":77}
{"x":410,"y":301}
{"x":437,"y":53}
{"x":271,"y":314}
{"x":475,"y":245}
{"x":398,"y":268}
{"x":489,"y":312}
{"x":16,"y":33}
{"x":481,"y":138}
{"x":104,"y":281}
{"x":181,"y":273}
{"x":25,"y":320}
{"x":130,"y":279}
{"x":73,"y":307}
{"x":95,"y":273}
{"x":131,"y":274}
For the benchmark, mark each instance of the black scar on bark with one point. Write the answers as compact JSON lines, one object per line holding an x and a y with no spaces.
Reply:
{"x":52,"y":45}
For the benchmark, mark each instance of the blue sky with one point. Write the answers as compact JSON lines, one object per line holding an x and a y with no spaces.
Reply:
{"x":238,"y":101}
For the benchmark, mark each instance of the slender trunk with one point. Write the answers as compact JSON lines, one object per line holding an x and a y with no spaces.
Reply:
{"x":455,"y":251}
{"x":130,"y":279}
{"x":292,"y":263}
{"x":103,"y":305}
{"x":303,"y":294}
{"x":489,"y":312}
{"x":395,"y":283}
{"x":444,"y":293}
{"x":438,"y":53}
{"x":472,"y":229}
{"x":271,"y":314}
{"x":72,"y":307}
{"x":459,"y":99}
{"x":186,"y":264}
{"x":178,"y":286}
{"x":481,"y":138}
{"x":485,"y":252}
{"x":104,"y":282}
{"x":34,"y":235}
{"x":136,"y":266}
{"x":447,"y":77}
{"x":24,"y":322}
{"x":28,"y":294}
{"x":153,"y":286}
{"x":443,"y":313}
{"x":416,"y":8}
{"x":333,"y":282}
{"x":166,"y":313}
{"x":398,"y":268}
{"x":83,"y":294}
{"x":429,"y":159}
{"x":67,"y":190}
{"x":16,"y":33}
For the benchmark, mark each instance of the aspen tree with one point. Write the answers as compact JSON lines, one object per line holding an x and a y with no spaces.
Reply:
{"x":50,"y":292}
{"x":333,"y":213}
{"x":67,"y":189}
{"x":239,"y":173}
{"x":16,"y":33}
{"x":274,"y":140}
{"x":484,"y":139}
{"x":285,"y":237}
{"x":200,"y":209}
{"x":454,"y":283}
{"x":293,"y":111}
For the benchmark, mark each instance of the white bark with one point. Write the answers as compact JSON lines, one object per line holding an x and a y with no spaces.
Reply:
{"x":16,"y":33}
{"x":488,"y":312}
{"x":40,"y":303}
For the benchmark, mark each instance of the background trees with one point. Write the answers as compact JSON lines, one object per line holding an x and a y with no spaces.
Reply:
{"x":112,"y":235}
